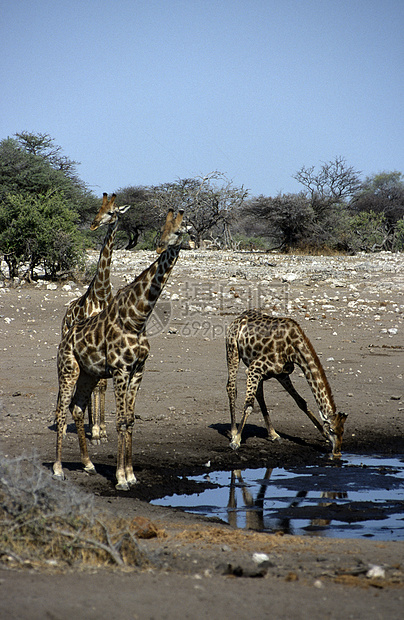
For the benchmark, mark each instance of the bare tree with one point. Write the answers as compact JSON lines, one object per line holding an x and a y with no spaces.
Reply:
{"x":335,"y":183}
{"x":208,"y":202}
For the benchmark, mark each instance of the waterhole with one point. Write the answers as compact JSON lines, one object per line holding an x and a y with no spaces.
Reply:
{"x":361,"y":496}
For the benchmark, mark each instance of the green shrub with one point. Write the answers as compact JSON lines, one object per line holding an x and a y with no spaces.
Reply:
{"x":244,"y":242}
{"x":39,"y":232}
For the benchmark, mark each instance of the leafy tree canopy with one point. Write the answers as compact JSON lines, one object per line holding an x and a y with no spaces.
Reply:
{"x":39,"y":231}
{"x":42,"y":145}
{"x":142,"y":217}
{"x":288,"y":217}
{"x":31,"y":164}
{"x":382,"y":193}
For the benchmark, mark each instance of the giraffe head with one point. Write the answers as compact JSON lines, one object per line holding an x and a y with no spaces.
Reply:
{"x":108,"y":212}
{"x":334,"y":431}
{"x":172,"y":231}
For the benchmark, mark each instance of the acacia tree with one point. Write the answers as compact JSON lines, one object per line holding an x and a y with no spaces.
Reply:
{"x":39,"y":231}
{"x":61,"y":172}
{"x":208,"y":202}
{"x":378,"y":208}
{"x":43,"y":146}
{"x":141,"y":218}
{"x":289,"y":218}
{"x":32,"y":190}
{"x":22,"y":172}
{"x":333,"y":183}
{"x":329,"y":192}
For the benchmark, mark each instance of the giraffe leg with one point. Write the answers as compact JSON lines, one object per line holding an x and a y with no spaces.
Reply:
{"x":103,"y":426}
{"x":97,"y":420}
{"x":286,"y":382}
{"x":82,"y":396}
{"x":91,"y":407}
{"x":253,"y":379}
{"x":120,"y":388}
{"x":134,"y":385}
{"x":231,"y":387}
{"x":67,"y":383}
{"x":272,"y":434}
{"x":125,"y":395}
{"x":121,"y":483}
{"x":232,"y":503}
{"x":56,"y":418}
{"x":129,"y":473}
{"x":78,"y":417}
{"x":60,"y":415}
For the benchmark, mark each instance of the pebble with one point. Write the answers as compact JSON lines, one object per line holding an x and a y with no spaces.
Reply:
{"x":259,"y":558}
{"x":376,"y":572}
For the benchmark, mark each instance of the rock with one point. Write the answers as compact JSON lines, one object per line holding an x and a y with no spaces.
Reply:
{"x":259,"y":558}
{"x":376,"y":572}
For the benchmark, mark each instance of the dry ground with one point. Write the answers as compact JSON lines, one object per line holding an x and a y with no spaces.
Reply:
{"x":201,"y":569}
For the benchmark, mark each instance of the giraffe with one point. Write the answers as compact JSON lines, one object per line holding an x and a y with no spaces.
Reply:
{"x":96,"y":298}
{"x":114,"y":344}
{"x":270,"y":347}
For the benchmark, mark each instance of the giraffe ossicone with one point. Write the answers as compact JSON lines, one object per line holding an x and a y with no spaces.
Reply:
{"x":270,"y":347}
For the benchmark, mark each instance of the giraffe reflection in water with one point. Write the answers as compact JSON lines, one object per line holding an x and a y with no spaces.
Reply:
{"x":254,"y":507}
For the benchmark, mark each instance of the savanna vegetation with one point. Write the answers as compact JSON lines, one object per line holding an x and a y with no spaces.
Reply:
{"x":43,"y":524}
{"x":46,"y":209}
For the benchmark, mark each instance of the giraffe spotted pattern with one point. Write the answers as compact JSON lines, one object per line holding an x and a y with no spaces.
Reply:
{"x":97,"y":296}
{"x":270,"y":347}
{"x":113,"y":344}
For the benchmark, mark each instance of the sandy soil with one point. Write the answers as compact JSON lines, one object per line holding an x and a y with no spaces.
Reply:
{"x":203,"y":568}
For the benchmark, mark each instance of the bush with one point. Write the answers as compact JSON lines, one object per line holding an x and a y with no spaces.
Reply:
{"x":370,"y":230}
{"x":148,"y":241}
{"x":399,"y":239}
{"x":39,"y":232}
{"x":48,"y":522}
{"x":244,"y":242}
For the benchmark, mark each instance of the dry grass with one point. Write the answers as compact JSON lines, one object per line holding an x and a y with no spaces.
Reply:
{"x":309,"y":250}
{"x":44,"y":522}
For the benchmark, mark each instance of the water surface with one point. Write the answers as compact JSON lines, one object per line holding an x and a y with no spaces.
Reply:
{"x":363,"y":496}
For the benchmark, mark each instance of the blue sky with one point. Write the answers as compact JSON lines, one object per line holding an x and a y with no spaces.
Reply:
{"x":143,"y":92}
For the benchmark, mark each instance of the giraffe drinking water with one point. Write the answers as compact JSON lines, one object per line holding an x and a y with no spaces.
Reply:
{"x":270,"y":347}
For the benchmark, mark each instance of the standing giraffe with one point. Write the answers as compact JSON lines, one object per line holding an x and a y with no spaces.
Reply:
{"x":270,"y":347}
{"x":114,"y":344}
{"x":96,"y":298}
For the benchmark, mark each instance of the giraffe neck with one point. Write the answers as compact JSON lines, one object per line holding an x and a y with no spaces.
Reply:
{"x":100,"y":287}
{"x":309,"y":362}
{"x":137,"y":300}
